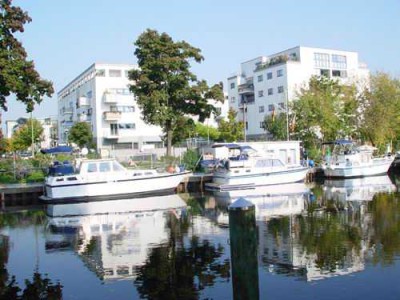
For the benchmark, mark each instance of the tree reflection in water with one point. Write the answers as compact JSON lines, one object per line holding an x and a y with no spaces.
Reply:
{"x":181,"y":268}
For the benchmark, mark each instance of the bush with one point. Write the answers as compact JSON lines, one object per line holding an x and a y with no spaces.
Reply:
{"x":36,"y":176}
{"x":190,"y":159}
{"x":7,"y":178}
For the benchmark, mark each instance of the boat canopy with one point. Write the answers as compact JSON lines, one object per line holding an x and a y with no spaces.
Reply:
{"x":234,"y":146}
{"x":55,"y":150}
{"x":339,"y":142}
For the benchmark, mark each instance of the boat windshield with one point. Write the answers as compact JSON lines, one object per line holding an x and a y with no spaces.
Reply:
{"x":269,"y":162}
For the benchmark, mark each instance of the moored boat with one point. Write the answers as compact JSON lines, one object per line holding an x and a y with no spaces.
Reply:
{"x":348,"y":160}
{"x":105,"y":179}
{"x":251,"y":168}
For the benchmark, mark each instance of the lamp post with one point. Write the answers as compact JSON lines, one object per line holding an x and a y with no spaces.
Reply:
{"x":32,"y":140}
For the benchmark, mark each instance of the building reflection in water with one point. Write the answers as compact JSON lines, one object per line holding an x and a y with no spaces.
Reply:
{"x":112,"y":237}
{"x":312,"y":233}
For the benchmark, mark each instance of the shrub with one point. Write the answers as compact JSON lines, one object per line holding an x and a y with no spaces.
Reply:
{"x":36,"y":176}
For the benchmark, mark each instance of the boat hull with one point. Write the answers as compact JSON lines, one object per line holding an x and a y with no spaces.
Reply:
{"x":84,"y":191}
{"x":377,"y":167}
{"x":229,"y":180}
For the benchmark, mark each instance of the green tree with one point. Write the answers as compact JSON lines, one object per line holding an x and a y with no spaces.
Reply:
{"x":32,"y":131}
{"x":325,"y":110}
{"x":207,"y":132}
{"x":231,"y":130}
{"x":17,"y":74}
{"x":165,"y":87}
{"x":276,"y":125}
{"x":81,"y":134}
{"x":380,"y":105}
{"x":184,"y":128}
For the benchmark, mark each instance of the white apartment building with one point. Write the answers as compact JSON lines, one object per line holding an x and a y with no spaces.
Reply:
{"x":266,"y":83}
{"x":101,"y":97}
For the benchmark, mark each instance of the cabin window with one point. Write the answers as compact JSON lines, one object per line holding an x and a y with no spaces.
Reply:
{"x":92,"y":167}
{"x":105,"y":167}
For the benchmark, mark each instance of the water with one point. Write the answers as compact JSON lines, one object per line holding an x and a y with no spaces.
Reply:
{"x":339,"y":240}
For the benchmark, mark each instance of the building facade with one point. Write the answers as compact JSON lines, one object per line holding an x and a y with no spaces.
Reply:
{"x":266,"y":84}
{"x":100,"y":96}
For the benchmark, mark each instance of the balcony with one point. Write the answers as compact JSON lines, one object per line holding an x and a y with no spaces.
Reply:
{"x":82,"y":118}
{"x":110,"y":134}
{"x":83,"y":101}
{"x":112,"y":115}
{"x":110,"y":98}
{"x":67,"y":111}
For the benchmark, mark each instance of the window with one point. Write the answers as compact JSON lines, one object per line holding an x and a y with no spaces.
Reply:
{"x":233,"y":99}
{"x":114,"y":73}
{"x":232,"y":85}
{"x":260,"y":93}
{"x":280,"y":89}
{"x":104,"y":166}
{"x":126,"y":126}
{"x":339,"y":61}
{"x":270,"y":91}
{"x":281,"y":105}
{"x":261,"y":109}
{"x":122,"y":108}
{"x":260,"y":78}
{"x":321,"y":60}
{"x":279,"y":73}
{"x":92,"y":167}
{"x":271,"y":107}
{"x":261,"y":124}
{"x":101,"y":73}
{"x":339,"y":73}
{"x":269,"y":75}
{"x":324,"y":72}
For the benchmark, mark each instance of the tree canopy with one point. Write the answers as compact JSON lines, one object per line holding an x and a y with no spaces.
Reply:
{"x":31,"y":131}
{"x":276,"y":125}
{"x":81,"y":134}
{"x":17,"y":74}
{"x":165,"y":88}
{"x":231,"y":130}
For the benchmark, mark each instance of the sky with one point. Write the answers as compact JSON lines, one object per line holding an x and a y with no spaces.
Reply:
{"x":66,"y":37}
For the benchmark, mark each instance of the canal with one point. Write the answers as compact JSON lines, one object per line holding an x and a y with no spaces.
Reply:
{"x":339,"y":239}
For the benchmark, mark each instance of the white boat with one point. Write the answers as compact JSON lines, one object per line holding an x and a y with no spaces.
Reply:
{"x":250,"y":168}
{"x":349,"y":160}
{"x":105,"y":179}
{"x":357,"y":189}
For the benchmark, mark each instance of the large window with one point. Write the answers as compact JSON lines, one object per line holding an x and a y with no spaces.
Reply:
{"x":280,"y":89}
{"x":123,"y":126}
{"x":279,"y":73}
{"x":339,"y":61}
{"x":114,"y":73}
{"x":271,"y":107}
{"x":122,"y":108}
{"x":269,"y":75}
{"x":232,"y":85}
{"x":270,"y":91}
{"x":321,"y":60}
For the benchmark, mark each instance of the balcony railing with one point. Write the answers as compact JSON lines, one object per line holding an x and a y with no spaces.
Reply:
{"x":112,"y":115}
{"x":110,"y":134}
{"x":83,"y":101}
{"x":67,"y":111}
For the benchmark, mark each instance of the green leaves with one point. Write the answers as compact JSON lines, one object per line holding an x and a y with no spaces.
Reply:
{"x":166,"y":90}
{"x":81,"y":134}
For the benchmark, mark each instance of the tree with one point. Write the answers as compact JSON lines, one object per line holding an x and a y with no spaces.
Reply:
{"x":17,"y":74}
{"x":276,"y":125}
{"x":325,"y":110}
{"x":207,"y":132}
{"x":81,"y":134}
{"x":184,"y":128}
{"x":165,"y":88}
{"x":27,"y":134}
{"x":231,"y":130}
{"x":380,"y":105}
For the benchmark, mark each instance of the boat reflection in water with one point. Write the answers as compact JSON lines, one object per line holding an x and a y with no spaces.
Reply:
{"x":112,"y":237}
{"x":269,"y":201}
{"x":357,"y":189}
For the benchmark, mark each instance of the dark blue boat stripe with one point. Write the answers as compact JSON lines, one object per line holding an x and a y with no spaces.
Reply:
{"x":263,"y":174}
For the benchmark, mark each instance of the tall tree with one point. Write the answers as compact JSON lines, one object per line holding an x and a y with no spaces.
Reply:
{"x":231,"y":130}
{"x":276,"y":125}
{"x":28,"y":134}
{"x":81,"y":134}
{"x":380,"y":105}
{"x":17,"y":74}
{"x":165,"y":87}
{"x":325,"y":110}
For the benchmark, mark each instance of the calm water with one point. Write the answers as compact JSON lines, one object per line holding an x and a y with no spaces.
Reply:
{"x":339,"y":240}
